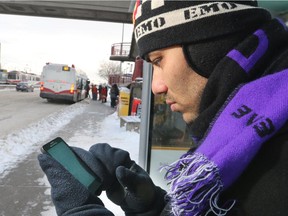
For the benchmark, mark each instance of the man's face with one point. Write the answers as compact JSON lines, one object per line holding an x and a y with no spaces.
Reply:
{"x":173,"y":77}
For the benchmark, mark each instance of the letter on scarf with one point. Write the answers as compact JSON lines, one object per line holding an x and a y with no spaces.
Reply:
{"x":264,"y":129}
{"x":248,"y":63}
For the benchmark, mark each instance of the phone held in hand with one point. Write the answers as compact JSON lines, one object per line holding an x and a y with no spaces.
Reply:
{"x":64,"y":154}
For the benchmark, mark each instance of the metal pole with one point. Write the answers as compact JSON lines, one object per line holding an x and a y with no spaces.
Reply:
{"x":122,"y":39}
{"x":121,"y":49}
{"x":144,"y":148}
{"x":0,"y":56}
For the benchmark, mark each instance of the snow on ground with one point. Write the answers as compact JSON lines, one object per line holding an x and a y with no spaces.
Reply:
{"x":17,"y":145}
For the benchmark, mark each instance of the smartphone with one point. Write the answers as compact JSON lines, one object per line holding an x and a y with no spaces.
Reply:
{"x":64,"y":154}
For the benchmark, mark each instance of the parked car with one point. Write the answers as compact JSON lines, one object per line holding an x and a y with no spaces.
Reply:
{"x":24,"y":86}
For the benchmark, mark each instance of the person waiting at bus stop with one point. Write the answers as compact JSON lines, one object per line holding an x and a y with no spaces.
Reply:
{"x":94,"y":91}
{"x":114,"y":94}
{"x":87,"y":88}
{"x":103,"y":93}
{"x":224,"y":66}
{"x":100,"y":90}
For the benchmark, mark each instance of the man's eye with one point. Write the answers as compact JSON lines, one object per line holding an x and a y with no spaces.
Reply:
{"x":156,"y":61}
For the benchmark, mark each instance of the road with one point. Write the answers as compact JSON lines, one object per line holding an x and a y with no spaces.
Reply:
{"x":22,"y":190}
{"x":23,"y":108}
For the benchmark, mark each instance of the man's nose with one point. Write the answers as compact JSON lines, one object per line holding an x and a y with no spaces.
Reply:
{"x":158,"y":85}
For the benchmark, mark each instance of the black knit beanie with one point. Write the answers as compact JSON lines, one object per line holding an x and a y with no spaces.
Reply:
{"x":206,"y":30}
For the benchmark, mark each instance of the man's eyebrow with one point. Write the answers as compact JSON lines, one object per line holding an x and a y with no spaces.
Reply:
{"x":148,"y":58}
{"x":154,"y":53}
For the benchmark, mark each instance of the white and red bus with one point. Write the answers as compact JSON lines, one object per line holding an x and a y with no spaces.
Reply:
{"x":15,"y":77}
{"x":63,"y":82}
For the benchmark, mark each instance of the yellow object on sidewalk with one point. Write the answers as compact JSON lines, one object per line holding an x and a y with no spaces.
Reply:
{"x":124,"y":99}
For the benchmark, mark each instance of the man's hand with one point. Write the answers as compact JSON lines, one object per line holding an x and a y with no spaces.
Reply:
{"x":141,"y":196}
{"x":69,"y":196}
{"x":127,"y":184}
{"x":109,"y":158}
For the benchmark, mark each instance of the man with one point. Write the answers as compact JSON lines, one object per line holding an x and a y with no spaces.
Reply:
{"x":94,"y":92}
{"x":223,"y":65}
{"x":114,"y":94}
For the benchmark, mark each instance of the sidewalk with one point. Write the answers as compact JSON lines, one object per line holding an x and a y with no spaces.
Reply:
{"x":22,"y":192}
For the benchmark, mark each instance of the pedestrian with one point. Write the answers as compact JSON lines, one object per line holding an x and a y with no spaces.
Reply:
{"x":94,"y":92}
{"x":87,"y":88}
{"x":100,"y":90}
{"x":104,"y":94}
{"x":224,"y":66}
{"x":114,"y":94}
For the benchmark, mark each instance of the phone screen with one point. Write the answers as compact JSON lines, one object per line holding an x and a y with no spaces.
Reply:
{"x":61,"y":152}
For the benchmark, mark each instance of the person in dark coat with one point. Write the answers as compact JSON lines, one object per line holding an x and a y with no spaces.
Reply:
{"x":87,"y":88}
{"x":100,"y":90}
{"x":224,"y":66}
{"x":94,"y":91}
{"x":114,"y":94}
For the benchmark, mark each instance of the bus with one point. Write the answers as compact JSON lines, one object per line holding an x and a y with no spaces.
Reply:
{"x":3,"y":76}
{"x":15,"y":77}
{"x":63,"y":82}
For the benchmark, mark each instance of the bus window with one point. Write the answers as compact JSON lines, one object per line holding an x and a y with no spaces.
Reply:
{"x":79,"y":83}
{"x":12,"y":76}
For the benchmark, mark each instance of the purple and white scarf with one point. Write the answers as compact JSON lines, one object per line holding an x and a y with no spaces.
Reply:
{"x":253,"y":113}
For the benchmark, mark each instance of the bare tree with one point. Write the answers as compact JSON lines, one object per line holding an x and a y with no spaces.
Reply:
{"x":109,"y":68}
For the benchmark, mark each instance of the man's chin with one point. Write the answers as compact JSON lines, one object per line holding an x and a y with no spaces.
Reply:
{"x":188,"y":118}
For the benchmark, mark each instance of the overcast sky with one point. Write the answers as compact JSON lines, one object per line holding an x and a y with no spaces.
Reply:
{"x":27,"y":43}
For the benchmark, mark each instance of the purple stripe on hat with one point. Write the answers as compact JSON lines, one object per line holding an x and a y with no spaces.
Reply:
{"x":247,"y":63}
{"x":253,"y":115}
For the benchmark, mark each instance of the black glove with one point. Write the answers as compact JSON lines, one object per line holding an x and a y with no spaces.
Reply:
{"x":141,"y":196}
{"x":127,"y":184}
{"x":108,"y":159}
{"x":69,"y":196}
